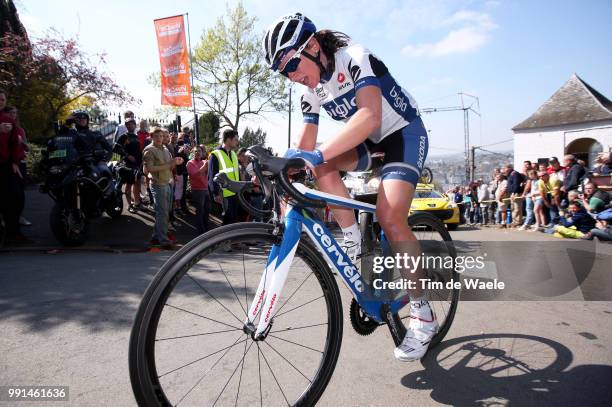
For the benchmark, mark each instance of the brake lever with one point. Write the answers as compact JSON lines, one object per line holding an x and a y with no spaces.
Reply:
{"x":264,"y":182}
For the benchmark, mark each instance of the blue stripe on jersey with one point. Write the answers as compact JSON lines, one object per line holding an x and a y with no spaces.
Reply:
{"x":342,"y":107}
{"x":367,"y":81}
{"x":396,"y":97}
{"x":311,"y":118}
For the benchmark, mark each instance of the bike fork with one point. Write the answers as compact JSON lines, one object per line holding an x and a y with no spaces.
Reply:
{"x":273,"y":279}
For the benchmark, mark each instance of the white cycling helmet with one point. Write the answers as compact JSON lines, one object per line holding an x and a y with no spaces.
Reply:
{"x":287,"y":33}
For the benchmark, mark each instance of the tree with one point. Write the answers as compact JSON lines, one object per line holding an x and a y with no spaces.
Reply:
{"x":208,"y":126}
{"x":230,"y":78}
{"x":49,"y":77}
{"x":250,"y":138}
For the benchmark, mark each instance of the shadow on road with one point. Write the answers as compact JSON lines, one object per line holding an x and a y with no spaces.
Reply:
{"x":510,"y":369}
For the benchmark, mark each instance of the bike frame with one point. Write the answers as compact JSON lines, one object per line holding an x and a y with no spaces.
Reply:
{"x":296,"y":221}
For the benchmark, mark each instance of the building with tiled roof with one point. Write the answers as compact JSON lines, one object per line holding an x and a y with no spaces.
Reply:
{"x":577,"y":119}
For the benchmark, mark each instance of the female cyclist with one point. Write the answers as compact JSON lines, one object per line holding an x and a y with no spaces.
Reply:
{"x":354,"y":86}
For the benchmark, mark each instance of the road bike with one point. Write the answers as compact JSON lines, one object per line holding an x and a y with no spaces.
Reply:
{"x":251,"y":313}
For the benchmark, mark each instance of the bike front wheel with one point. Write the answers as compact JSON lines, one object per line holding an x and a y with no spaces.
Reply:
{"x":188,"y":347}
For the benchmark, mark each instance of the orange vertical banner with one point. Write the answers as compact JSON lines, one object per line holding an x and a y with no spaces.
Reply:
{"x":174,"y":61}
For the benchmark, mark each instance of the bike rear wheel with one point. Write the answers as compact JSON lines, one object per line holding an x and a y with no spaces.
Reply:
{"x":435,"y":241}
{"x":187,"y":344}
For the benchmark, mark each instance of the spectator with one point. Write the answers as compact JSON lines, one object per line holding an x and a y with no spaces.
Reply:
{"x":602,"y":231}
{"x":182,"y":150}
{"x":493,"y":213}
{"x":143,"y":134}
{"x":23,"y":168}
{"x":469,"y":201}
{"x":530,"y":194}
{"x":548,"y":189}
{"x":128,"y":146}
{"x":144,"y":137}
{"x":515,"y":190}
{"x":224,"y":159}
{"x":603,"y":164}
{"x":501,"y":195}
{"x":577,"y":223}
{"x":594,"y":199}
{"x":243,"y":162}
{"x":555,"y":169}
{"x":159,"y":165}
{"x":542,"y":167}
{"x":122,"y":129}
{"x":167,"y":141}
{"x":573,"y":175}
{"x":482,"y":211}
{"x":10,"y":174}
{"x":527,"y":166}
{"x":197,"y":168}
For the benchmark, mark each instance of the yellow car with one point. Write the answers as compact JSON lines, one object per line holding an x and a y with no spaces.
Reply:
{"x":427,"y":199}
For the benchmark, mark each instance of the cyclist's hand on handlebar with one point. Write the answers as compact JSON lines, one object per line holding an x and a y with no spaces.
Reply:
{"x":311,"y":158}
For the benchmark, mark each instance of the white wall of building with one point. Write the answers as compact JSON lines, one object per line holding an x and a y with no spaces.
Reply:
{"x":551,"y":141}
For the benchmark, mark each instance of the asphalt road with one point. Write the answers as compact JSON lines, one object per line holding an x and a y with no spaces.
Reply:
{"x":65,"y":318}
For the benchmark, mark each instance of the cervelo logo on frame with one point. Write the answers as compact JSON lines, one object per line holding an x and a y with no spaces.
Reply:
{"x":259,"y":301}
{"x":341,"y":109}
{"x":349,"y":270}
{"x":272,"y":301}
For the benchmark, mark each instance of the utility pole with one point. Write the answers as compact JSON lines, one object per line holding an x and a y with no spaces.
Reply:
{"x":466,"y":124}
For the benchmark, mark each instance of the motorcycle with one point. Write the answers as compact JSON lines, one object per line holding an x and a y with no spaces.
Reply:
{"x":81,"y":189}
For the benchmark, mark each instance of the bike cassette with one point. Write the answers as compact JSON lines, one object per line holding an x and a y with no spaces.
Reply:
{"x":361,"y":322}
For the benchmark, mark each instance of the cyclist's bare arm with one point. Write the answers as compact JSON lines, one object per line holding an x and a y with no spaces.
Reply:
{"x":363,"y":123}
{"x":308,"y":137}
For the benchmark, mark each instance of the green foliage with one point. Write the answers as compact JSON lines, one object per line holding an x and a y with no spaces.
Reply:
{"x":250,"y":138}
{"x":208,"y":126}
{"x":230,"y":77}
{"x":46,"y":79}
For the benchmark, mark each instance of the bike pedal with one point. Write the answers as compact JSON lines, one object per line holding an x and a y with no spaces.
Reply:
{"x":394,"y":323}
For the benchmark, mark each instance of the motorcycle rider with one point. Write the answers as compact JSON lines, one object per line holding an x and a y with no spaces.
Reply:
{"x":87,"y":141}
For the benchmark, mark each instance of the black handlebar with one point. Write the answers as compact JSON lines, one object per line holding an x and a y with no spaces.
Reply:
{"x":240,"y":188}
{"x":277,"y":168}
{"x":268,"y":168}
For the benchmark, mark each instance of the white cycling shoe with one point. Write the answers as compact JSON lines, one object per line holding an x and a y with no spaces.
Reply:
{"x":418,"y":336}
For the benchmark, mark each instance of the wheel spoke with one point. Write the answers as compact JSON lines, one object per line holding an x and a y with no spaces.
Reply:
{"x":232,"y":287}
{"x":240,"y":362}
{"x":287,"y":360}
{"x":202,"y":334}
{"x":273,"y":375}
{"x":241,"y":370}
{"x":202,"y":316}
{"x":295,"y":343}
{"x":299,"y":306}
{"x":259,"y":371}
{"x":215,"y":298}
{"x":299,"y":327}
{"x":292,"y":294}
{"x":202,"y":358}
{"x":209,"y":370}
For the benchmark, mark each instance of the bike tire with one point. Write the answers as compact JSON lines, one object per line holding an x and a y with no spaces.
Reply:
{"x":143,"y":375}
{"x":435,"y":226}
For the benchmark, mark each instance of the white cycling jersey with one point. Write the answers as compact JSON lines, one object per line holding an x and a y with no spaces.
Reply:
{"x":356,"y":67}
